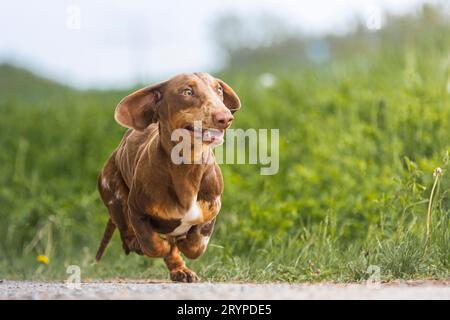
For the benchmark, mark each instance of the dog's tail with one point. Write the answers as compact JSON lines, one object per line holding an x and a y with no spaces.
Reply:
{"x":107,"y":235}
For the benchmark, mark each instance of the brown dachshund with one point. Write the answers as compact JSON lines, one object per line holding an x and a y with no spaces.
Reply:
{"x":161,"y":207}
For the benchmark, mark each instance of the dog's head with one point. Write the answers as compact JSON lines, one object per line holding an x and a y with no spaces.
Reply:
{"x":181,"y":102}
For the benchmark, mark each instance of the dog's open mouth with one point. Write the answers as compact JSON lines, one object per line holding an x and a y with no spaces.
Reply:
{"x":208,"y":135}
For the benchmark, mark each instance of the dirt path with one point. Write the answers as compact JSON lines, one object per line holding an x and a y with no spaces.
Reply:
{"x":162,"y":290}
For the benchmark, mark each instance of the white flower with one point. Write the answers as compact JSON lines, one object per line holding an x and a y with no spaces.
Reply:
{"x":437,"y":172}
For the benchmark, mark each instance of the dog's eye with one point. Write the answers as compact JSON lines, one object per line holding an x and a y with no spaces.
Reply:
{"x":188,"y":92}
{"x":220,"y":89}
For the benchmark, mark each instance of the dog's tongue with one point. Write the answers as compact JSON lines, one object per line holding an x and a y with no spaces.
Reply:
{"x":212,"y":134}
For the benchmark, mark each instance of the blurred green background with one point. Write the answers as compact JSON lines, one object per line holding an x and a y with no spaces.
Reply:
{"x":364,"y":121}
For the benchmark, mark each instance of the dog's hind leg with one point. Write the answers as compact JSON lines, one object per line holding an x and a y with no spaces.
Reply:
{"x":114,"y":194}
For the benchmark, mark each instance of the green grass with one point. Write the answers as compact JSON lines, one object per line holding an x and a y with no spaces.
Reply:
{"x":360,"y":138}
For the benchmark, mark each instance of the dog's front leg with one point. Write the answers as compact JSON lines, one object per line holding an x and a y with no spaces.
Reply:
{"x":151,"y":243}
{"x":178,"y":270}
{"x":196,"y":240}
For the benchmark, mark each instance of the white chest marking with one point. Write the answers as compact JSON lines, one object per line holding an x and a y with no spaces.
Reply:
{"x":189,"y":219}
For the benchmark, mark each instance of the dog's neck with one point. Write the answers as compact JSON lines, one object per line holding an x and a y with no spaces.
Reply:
{"x":186,"y":177}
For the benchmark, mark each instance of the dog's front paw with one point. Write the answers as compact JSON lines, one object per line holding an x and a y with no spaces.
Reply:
{"x":183,"y":275}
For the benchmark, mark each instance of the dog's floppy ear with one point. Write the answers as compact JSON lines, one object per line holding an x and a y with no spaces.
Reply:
{"x":138,"y":109}
{"x":230,"y":98}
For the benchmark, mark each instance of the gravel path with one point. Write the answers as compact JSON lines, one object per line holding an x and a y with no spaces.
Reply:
{"x":130,"y":289}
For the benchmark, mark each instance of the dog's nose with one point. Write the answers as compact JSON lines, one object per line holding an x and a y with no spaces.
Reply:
{"x":223,"y":119}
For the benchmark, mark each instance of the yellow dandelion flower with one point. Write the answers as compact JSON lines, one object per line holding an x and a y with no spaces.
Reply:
{"x":42,"y":259}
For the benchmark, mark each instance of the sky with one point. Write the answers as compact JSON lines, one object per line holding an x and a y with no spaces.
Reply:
{"x":111,"y":44}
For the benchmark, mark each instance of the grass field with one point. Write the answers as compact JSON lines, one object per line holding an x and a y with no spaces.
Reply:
{"x":360,"y":138}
